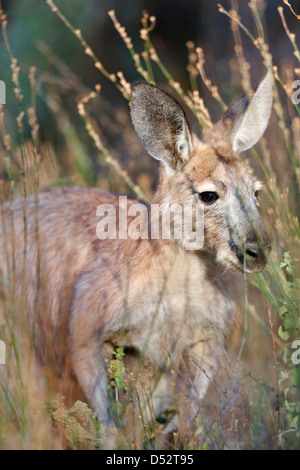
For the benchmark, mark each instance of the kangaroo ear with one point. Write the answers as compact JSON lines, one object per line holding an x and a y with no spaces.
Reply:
{"x":161,"y":125}
{"x":248,"y":119}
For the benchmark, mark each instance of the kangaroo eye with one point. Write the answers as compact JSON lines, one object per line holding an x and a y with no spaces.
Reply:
{"x":257,"y":197}
{"x":208,"y":197}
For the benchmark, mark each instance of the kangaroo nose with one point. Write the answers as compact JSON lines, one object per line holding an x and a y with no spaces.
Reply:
{"x":256,"y":256}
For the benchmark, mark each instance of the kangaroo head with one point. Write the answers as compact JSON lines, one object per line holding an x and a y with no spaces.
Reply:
{"x":210,"y":171}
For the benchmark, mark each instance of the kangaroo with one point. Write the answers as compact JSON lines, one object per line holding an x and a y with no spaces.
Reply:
{"x":94,"y":295}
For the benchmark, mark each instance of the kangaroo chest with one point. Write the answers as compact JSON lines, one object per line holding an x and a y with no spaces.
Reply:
{"x":177,"y":309}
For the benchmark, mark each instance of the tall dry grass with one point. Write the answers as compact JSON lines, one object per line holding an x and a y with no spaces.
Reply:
{"x":254,"y":403}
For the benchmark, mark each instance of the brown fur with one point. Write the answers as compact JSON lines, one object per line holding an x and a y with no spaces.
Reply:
{"x":164,"y":298}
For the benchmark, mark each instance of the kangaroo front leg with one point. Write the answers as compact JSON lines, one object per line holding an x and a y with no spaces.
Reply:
{"x":201,"y":368}
{"x":198,"y":370}
{"x":203,"y":364}
{"x":89,"y":368}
